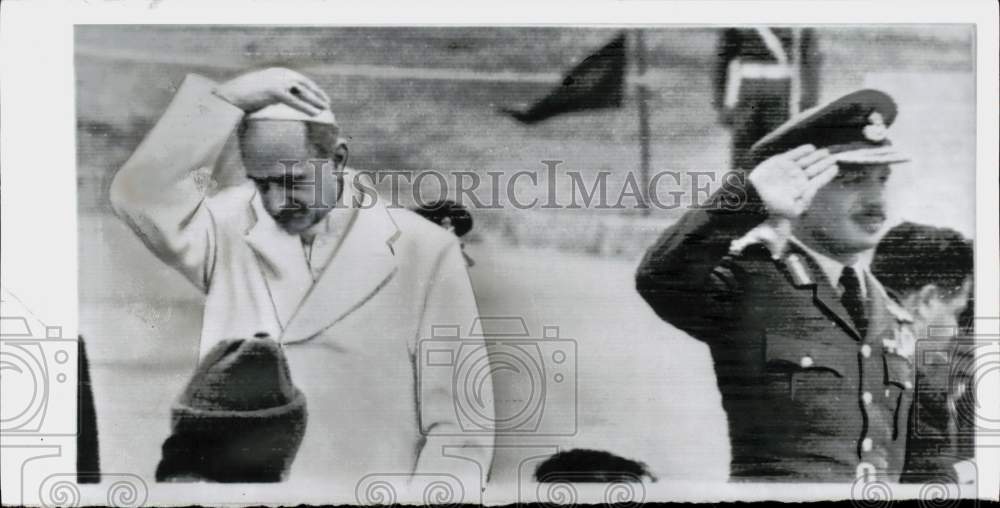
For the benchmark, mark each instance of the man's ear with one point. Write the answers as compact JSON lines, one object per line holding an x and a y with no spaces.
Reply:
{"x":928,"y":297}
{"x":340,"y":154}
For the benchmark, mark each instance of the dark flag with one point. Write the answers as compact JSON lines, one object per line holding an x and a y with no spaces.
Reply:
{"x":596,"y":82}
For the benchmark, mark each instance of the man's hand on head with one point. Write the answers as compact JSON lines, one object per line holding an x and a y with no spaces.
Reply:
{"x":259,"y":89}
{"x":787,"y":182}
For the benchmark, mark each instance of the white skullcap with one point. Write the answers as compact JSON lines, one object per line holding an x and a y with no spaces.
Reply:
{"x":281,"y":111}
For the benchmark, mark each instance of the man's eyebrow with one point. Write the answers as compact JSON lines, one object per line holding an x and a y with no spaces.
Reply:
{"x":293,"y":176}
{"x":270,"y":179}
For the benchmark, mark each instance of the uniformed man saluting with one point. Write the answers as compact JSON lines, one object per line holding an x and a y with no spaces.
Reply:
{"x":773,"y":282}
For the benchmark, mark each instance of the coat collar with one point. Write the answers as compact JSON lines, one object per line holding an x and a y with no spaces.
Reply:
{"x":363,"y":262}
{"x":831,"y":268}
{"x":804,"y":272}
{"x":281,"y":260}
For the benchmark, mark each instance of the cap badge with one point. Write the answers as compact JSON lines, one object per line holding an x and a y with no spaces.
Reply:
{"x":876,"y":130}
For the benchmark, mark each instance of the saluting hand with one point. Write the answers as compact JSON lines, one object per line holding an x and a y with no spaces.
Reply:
{"x":258,"y":89}
{"x":787,"y":182}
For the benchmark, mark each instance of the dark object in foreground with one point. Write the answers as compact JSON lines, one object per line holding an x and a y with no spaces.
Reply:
{"x":450,"y":215}
{"x":240,"y":419}
{"x":590,"y":466}
{"x":88,"y":462}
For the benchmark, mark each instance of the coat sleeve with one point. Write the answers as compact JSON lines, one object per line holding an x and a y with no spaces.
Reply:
{"x":685,"y":276}
{"x":448,"y":447}
{"x":155,"y":192}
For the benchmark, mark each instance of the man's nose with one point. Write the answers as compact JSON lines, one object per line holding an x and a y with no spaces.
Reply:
{"x":873,"y":195}
{"x":275,"y":198}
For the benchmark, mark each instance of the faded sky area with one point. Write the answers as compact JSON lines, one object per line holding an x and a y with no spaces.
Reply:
{"x":391,"y":99}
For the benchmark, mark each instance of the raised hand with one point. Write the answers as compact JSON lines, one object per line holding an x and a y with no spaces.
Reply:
{"x":787,"y":182}
{"x":258,"y":89}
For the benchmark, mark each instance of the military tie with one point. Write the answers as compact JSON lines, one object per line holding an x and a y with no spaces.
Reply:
{"x":852,"y":299}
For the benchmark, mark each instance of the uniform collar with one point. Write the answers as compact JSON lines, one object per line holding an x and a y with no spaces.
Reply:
{"x":833,"y":268}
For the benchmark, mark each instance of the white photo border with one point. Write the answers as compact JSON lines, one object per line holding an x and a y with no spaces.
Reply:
{"x":38,"y":160}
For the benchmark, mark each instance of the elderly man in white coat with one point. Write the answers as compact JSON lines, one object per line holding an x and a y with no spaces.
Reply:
{"x":314,"y":260}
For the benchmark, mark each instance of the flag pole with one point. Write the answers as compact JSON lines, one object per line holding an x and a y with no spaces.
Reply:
{"x":642,"y":95}
{"x":795,"y":62}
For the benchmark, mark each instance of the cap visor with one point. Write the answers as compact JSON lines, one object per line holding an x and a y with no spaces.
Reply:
{"x":880,"y":155}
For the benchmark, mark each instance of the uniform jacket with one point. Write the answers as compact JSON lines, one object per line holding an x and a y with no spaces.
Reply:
{"x":352,"y":338}
{"x":792,"y":369}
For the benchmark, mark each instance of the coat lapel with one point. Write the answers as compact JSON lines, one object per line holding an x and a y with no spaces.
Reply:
{"x":828,"y":299}
{"x":361,"y":265}
{"x":824,"y":295}
{"x":880,"y":322}
{"x":281,"y":260}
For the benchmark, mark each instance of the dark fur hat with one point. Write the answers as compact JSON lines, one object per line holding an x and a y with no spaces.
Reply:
{"x":240,"y":419}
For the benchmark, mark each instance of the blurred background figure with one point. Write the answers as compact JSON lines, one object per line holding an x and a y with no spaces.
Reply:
{"x":928,"y":270}
{"x":763,"y":76}
{"x":453,"y":217}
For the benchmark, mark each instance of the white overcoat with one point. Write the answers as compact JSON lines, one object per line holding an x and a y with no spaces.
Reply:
{"x":352,"y":338}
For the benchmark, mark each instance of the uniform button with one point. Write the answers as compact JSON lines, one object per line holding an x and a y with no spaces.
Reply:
{"x":887,"y":392}
{"x":866,"y":398}
{"x":866,"y":351}
{"x":806,"y":362}
{"x":908,"y":385}
{"x":866,"y":444}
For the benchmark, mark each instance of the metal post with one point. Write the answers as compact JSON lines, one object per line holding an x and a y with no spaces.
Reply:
{"x":643,"y":97}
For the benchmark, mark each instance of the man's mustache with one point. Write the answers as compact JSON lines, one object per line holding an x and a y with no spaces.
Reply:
{"x":290,"y":211}
{"x":870,"y":212}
